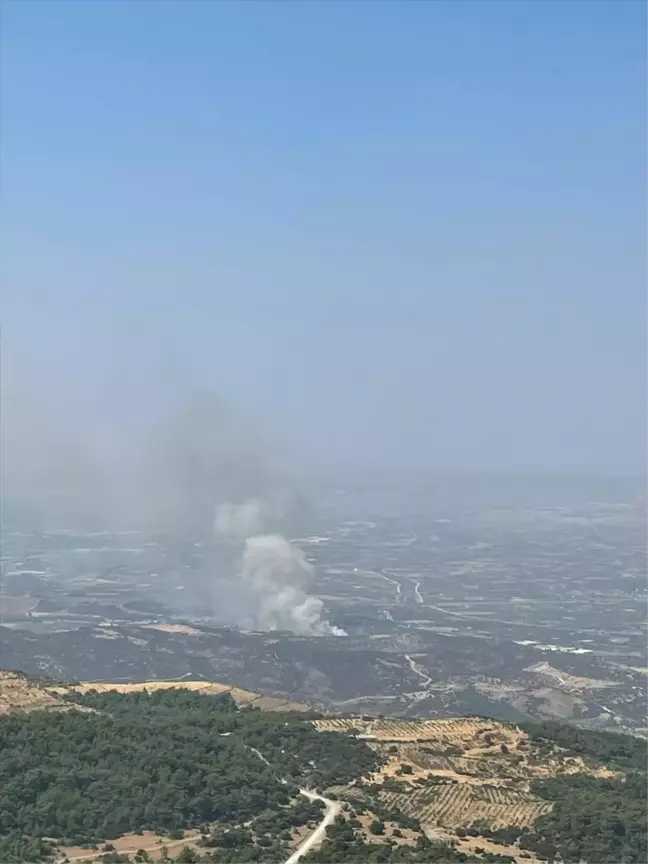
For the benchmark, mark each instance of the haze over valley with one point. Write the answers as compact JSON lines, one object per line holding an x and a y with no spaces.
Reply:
{"x":323,"y":423}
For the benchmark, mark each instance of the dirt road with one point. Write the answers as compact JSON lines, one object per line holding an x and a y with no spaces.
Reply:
{"x":129,"y":844}
{"x":316,"y":836}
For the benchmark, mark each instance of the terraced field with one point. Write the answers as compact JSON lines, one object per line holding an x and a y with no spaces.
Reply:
{"x":460,"y":805}
{"x":450,"y":773}
{"x":447,"y":774}
{"x":450,"y":732}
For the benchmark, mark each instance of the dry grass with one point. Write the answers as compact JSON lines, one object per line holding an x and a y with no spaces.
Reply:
{"x":210,"y":688}
{"x":462,"y":770}
{"x":173,"y":628}
{"x":468,"y":845}
{"x":448,"y":732}
{"x":565,"y":681}
{"x":408,"y":838}
{"x":128,"y":844}
{"x":19,"y":694}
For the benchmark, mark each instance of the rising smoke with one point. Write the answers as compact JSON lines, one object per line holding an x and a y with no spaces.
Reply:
{"x":213,"y":480}
{"x":168,"y":481}
{"x":274,"y":573}
{"x":237,"y":522}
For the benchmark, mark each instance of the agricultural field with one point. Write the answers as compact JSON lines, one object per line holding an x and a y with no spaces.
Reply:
{"x":451,"y":773}
{"x":460,"y":804}
{"x":454,"y":604}
{"x":465,"y":732}
{"x":492,"y":790}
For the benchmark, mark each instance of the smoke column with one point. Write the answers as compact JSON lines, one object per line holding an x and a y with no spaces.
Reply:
{"x":275,"y":574}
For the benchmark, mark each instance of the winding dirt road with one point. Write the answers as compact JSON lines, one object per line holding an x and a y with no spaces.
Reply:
{"x":316,"y":836}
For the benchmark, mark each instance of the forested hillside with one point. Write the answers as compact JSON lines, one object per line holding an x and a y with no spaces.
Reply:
{"x":163,"y":761}
{"x":176,"y":761}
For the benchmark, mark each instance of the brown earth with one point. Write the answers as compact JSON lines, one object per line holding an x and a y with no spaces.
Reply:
{"x":470,"y":844}
{"x":129,"y":844}
{"x":19,"y":694}
{"x":211,"y":688}
{"x":462,"y":770}
{"x":409,"y":837}
{"x":574,"y":683}
{"x":173,"y":628}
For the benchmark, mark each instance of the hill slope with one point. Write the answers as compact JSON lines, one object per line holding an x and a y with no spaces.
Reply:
{"x":140,"y":765}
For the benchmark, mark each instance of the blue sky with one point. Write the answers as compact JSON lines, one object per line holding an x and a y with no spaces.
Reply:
{"x":398,"y":233}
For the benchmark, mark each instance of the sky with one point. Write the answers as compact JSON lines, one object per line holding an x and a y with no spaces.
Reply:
{"x":399,"y":234}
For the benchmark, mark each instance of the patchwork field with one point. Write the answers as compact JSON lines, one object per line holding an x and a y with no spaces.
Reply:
{"x":480,"y":785}
{"x":450,"y":773}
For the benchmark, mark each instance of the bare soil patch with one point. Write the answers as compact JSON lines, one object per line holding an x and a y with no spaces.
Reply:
{"x":573,"y":683}
{"x":19,"y":694}
{"x":173,"y":628}
{"x":469,"y":845}
{"x":210,"y":688}
{"x":128,"y":844}
{"x":459,"y":770}
{"x":408,"y":837}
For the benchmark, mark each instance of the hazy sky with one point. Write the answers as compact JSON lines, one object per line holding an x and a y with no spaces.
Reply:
{"x":399,"y":233}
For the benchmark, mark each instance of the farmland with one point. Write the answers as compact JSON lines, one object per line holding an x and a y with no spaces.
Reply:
{"x":453,"y":605}
{"x":474,"y":784}
{"x":459,"y":771}
{"x":459,"y":805}
{"x":461,"y":731}
{"x":487,"y":787}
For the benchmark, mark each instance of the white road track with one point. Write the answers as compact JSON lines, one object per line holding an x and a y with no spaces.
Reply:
{"x":314,"y":838}
{"x":417,"y":670}
{"x":419,"y":598}
{"x":394,"y":582}
{"x":319,"y":834}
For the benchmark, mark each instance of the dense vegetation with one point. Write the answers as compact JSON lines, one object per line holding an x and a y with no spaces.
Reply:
{"x":593,"y":819}
{"x":162,"y":761}
{"x":172,"y":760}
{"x":622,"y":752}
{"x":336,"y":850}
{"x":345,"y":844}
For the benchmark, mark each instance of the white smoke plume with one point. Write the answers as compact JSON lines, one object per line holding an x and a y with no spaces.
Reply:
{"x":237,"y":522}
{"x":275,"y":574}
